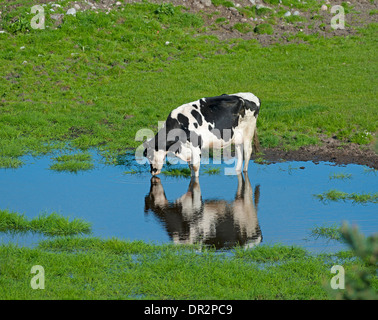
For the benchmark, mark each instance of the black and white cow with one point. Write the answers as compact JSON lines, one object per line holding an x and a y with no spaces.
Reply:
{"x":215,"y":222}
{"x":215,"y":122}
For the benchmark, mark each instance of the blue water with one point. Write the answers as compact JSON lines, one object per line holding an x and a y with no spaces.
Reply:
{"x":284,"y":208}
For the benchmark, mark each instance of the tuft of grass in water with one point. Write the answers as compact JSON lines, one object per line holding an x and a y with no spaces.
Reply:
{"x":186,"y":172}
{"x":336,"y":195}
{"x":10,"y":162}
{"x":211,"y":171}
{"x":74,"y":157}
{"x":52,"y":224}
{"x":177,"y":172}
{"x":329,"y":232}
{"x":340,"y":176}
{"x":73,"y":163}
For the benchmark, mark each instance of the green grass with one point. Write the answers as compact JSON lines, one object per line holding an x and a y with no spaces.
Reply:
{"x":93,"y":268}
{"x":101,"y":78}
{"x":186,"y":172}
{"x":223,"y":3}
{"x":336,"y":195}
{"x":112,"y":269}
{"x":72,"y":162}
{"x":243,"y":27}
{"x":10,"y":163}
{"x":263,"y":28}
{"x":340,"y":176}
{"x":52,"y":224}
{"x":177,"y":172}
{"x":332,"y":232}
{"x":211,"y":171}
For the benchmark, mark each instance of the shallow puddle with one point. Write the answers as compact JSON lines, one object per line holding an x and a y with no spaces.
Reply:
{"x":275,"y":203}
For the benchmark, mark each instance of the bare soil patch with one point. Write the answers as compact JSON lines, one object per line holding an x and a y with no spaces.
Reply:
{"x":331,"y":150}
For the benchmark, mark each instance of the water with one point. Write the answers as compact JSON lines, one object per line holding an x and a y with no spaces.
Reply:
{"x":273,"y":204}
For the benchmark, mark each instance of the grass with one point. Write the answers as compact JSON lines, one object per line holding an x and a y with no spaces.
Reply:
{"x":52,"y":224}
{"x":113,"y":269}
{"x":211,"y":171}
{"x":336,"y":195}
{"x":99,"y":90}
{"x":264,"y":28}
{"x":223,"y":3}
{"x":72,"y":163}
{"x":93,"y":268}
{"x":243,"y":27}
{"x":340,"y":176}
{"x":186,"y":172}
{"x":10,"y":163}
{"x":332,"y":232}
{"x":177,"y":172}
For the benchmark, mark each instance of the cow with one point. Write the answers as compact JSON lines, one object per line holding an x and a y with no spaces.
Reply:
{"x":214,"y":122}
{"x":213,"y":222}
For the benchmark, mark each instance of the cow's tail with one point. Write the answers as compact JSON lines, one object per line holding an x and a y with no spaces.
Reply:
{"x":256,"y":142}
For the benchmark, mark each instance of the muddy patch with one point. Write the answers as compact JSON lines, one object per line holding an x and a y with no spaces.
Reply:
{"x":331,"y":149}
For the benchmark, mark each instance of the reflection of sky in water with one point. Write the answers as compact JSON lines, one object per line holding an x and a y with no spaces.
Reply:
{"x":114,"y":202}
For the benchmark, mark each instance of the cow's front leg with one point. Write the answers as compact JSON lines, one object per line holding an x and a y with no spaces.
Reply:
{"x":195,"y":162}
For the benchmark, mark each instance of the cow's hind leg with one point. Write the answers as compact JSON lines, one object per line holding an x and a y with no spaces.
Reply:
{"x":247,"y":153}
{"x":247,"y":144}
{"x":239,"y":156}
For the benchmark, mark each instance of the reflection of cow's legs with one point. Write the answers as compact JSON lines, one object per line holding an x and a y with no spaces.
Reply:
{"x":191,"y":201}
{"x":157,"y":191}
{"x":239,"y":192}
{"x":256,"y":195}
{"x":247,"y":187}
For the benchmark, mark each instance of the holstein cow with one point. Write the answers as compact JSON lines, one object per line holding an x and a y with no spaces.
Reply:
{"x":215,"y":122}
{"x":219,"y":223}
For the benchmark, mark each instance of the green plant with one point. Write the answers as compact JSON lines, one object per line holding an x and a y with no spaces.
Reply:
{"x":52,"y":224}
{"x":336,"y":195}
{"x":165,"y":9}
{"x":264,"y":28}
{"x":19,"y":23}
{"x":72,"y":162}
{"x":341,"y":176}
{"x":361,"y":281}
{"x":177,"y":172}
{"x":243,"y":27}
{"x":329,"y":232}
{"x":223,"y":3}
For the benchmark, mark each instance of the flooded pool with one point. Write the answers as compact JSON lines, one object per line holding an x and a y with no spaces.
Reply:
{"x":274,"y":203}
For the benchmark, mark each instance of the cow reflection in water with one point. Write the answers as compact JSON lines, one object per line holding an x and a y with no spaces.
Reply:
{"x":217,"y":223}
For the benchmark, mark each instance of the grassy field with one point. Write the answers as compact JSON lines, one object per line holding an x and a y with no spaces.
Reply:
{"x":92,"y":268}
{"x":98,"y":78}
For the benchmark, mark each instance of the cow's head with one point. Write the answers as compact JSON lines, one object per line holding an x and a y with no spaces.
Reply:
{"x":155,"y":156}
